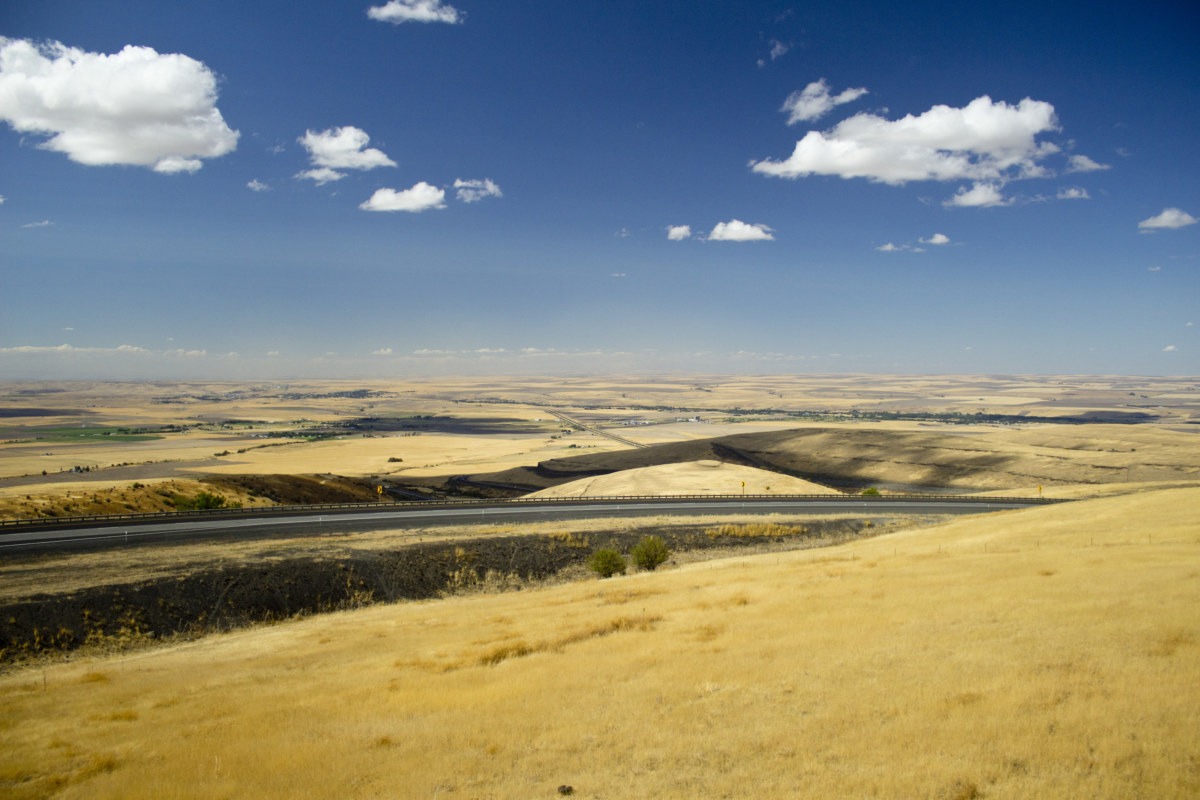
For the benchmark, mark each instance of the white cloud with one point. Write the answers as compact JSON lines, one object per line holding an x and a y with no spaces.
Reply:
{"x":136,"y":107}
{"x":383,"y":351}
{"x":982,"y":141}
{"x":937,"y":238}
{"x":814,"y":101}
{"x":322,"y":175}
{"x":474,"y":191}
{"x":420,"y":197}
{"x":778,"y":50}
{"x":981,"y":195}
{"x":1073,"y":193}
{"x":1169,"y":218}
{"x":1154,"y":269}
{"x":677,"y":233}
{"x":737,"y":231}
{"x":1081,"y":163}
{"x":892,"y":247}
{"x":1170,"y":348}
{"x":1,"y":199}
{"x":340,"y":148}
{"x":398,"y":11}
{"x":258,"y":186}
{"x":42,"y":224}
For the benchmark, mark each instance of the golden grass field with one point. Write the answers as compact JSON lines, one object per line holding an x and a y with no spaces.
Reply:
{"x":1048,"y":652}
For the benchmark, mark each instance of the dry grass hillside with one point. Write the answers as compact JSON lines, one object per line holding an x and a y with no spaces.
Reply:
{"x":692,"y":477}
{"x":852,"y":457}
{"x":1050,"y":652}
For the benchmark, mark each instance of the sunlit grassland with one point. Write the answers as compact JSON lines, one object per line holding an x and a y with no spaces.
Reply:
{"x":1049,"y":652}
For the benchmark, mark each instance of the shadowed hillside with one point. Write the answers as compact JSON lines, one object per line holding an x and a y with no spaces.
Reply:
{"x":850,"y":459}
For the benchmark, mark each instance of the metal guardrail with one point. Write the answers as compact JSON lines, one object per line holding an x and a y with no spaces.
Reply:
{"x":148,"y":517}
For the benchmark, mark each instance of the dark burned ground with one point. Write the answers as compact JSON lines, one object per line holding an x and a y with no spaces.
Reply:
{"x":129,"y":615}
{"x":298,"y":489}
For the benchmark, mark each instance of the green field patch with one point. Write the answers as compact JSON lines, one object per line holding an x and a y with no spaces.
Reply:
{"x":92,"y":433}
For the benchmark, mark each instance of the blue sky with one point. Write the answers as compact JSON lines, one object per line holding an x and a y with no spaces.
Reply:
{"x":418,"y":187}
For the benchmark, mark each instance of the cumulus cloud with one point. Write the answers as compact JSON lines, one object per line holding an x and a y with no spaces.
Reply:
{"x":814,"y":101}
{"x":677,"y":233}
{"x":1167,"y":219}
{"x":420,"y":197}
{"x":1073,"y":193}
{"x":937,"y":238}
{"x":476,"y":190}
{"x":981,"y":195}
{"x":1081,"y":163}
{"x":737,"y":231}
{"x":398,"y":11}
{"x":136,"y":107}
{"x":983,"y":141}
{"x":340,"y":148}
{"x":258,"y":186}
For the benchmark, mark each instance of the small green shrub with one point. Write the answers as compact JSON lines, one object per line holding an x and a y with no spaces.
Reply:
{"x":607,"y":562}
{"x":650,"y":552}
{"x":870,"y":491}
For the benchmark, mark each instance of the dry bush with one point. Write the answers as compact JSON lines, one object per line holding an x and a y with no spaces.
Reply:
{"x":755,"y":530}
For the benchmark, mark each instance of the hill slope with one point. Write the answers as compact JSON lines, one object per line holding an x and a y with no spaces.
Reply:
{"x":850,"y":458}
{"x":1048,"y":652}
{"x":691,"y":477}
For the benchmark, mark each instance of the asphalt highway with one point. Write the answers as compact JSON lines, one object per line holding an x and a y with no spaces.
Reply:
{"x":96,"y":534}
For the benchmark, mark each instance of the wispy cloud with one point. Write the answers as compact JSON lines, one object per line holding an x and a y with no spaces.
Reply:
{"x":136,"y":107}
{"x":983,"y":141}
{"x":1081,"y":163}
{"x":45,"y":223}
{"x":1167,"y":219}
{"x":256,"y":185}
{"x":337,"y":149}
{"x":777,"y":50}
{"x":1170,"y":348}
{"x":737,"y":231}
{"x":399,"y":11}
{"x":1073,"y":193}
{"x":892,"y":247}
{"x":475,"y":190}
{"x":814,"y":101}
{"x":420,"y":197}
